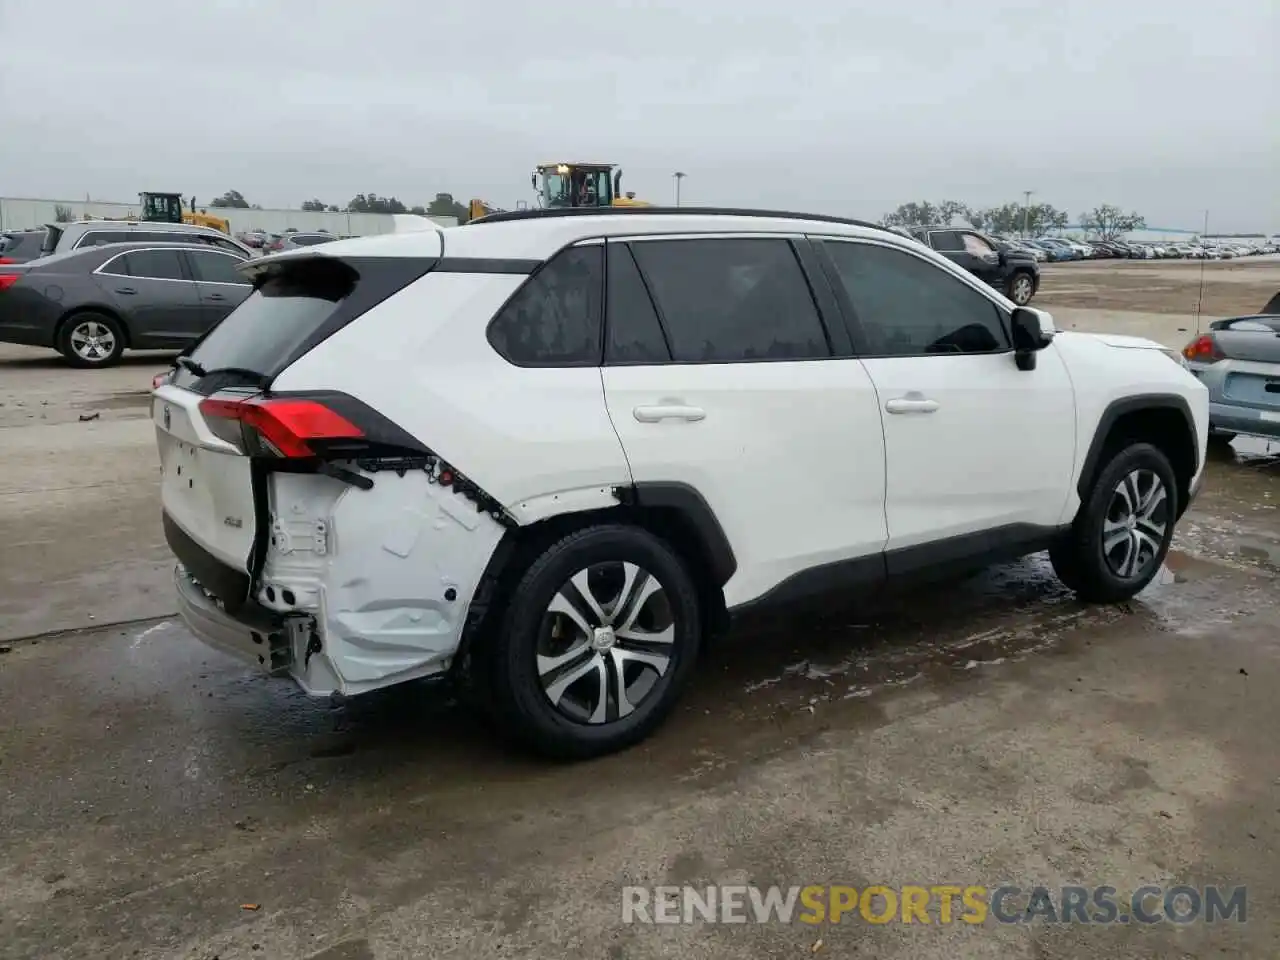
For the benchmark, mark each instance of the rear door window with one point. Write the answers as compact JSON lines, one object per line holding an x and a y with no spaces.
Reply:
{"x":555,"y":319}
{"x":732,"y":300}
{"x":213,"y":267}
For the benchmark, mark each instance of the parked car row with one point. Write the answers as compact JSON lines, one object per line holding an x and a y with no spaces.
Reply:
{"x":287,"y":240}
{"x":1056,"y":249}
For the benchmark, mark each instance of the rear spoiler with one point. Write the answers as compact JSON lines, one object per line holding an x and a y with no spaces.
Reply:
{"x":1273,"y":305}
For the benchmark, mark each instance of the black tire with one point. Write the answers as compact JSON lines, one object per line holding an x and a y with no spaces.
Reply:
{"x":514,"y":690}
{"x":1079,"y":558}
{"x":77,"y":355}
{"x":1021,"y":287}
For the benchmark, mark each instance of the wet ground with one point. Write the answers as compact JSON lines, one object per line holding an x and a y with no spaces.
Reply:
{"x":158,"y":800}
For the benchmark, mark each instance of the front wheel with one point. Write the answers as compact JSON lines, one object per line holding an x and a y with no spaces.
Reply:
{"x":1122,"y":533}
{"x":600,"y":635}
{"x":1022,"y":288}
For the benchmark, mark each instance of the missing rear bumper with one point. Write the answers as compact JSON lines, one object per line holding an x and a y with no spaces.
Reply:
{"x":253,"y":634}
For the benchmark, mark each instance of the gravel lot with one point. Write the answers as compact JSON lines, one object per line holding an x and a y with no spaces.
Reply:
{"x":995,"y":730}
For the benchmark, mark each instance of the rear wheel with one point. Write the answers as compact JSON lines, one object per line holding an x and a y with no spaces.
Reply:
{"x":599,"y":638}
{"x":1022,"y":288}
{"x":1123,"y":530}
{"x":91,"y":340}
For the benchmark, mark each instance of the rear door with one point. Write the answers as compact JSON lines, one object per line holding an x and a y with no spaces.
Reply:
{"x":155,"y":295}
{"x":219,"y":285}
{"x":720,"y":375}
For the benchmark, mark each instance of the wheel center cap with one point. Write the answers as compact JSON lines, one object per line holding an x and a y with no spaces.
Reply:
{"x":602,"y":638}
{"x":1130,"y":522}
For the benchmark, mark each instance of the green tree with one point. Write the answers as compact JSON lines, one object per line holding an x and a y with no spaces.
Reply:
{"x":419,"y":210}
{"x":372,"y":203}
{"x":314,"y":205}
{"x":1014,"y":217}
{"x":924,"y":214}
{"x":232,"y":198}
{"x":62,"y":214}
{"x":445,"y":206}
{"x":1107,"y":222}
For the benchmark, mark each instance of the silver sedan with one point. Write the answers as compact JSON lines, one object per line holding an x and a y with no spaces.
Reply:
{"x":1238,"y":359}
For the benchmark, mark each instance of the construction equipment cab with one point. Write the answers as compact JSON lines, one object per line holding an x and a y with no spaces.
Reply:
{"x":581,"y":185}
{"x":167,"y":208}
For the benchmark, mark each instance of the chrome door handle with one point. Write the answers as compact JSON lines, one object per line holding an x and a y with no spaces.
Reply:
{"x":911,"y":405}
{"x":656,"y":414}
{"x":127,"y":291}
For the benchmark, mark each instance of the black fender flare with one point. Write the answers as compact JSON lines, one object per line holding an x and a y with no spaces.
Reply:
{"x":685,"y":500}
{"x":1119,"y":408}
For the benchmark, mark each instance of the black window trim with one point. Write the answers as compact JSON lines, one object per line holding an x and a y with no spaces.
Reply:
{"x":856,"y":332}
{"x":621,"y":244}
{"x":188,"y":274}
{"x":797,"y":242}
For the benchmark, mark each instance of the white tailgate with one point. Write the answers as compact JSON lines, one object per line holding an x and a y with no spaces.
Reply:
{"x":205,"y":483}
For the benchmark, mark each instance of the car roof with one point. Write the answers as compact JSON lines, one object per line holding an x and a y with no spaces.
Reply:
{"x":146,"y":226}
{"x":537,"y":234}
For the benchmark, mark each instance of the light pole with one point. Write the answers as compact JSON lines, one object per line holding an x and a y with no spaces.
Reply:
{"x":678,"y":176}
{"x":1026,"y":212}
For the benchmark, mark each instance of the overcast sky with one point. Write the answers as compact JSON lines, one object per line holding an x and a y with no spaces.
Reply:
{"x":1168,"y":107}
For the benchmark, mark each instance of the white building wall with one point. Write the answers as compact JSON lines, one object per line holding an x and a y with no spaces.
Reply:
{"x":17,"y":213}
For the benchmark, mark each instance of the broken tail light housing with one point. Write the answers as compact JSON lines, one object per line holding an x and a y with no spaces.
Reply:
{"x":1203,"y":349}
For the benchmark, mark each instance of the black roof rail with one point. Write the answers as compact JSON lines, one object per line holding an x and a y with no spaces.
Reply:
{"x":539,"y":213}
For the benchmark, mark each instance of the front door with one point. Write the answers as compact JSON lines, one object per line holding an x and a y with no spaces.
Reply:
{"x":730,"y":387}
{"x":976,"y":449}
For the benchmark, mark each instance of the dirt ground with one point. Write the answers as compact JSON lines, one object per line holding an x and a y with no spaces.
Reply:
{"x":992,"y":731}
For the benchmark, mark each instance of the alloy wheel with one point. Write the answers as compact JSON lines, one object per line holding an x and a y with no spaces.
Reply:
{"x":1137,"y":518}
{"x":92,"y":341}
{"x":1021,"y":290}
{"x":606,"y":643}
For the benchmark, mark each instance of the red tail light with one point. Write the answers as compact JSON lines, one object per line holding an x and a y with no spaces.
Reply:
{"x":7,"y":260}
{"x":285,"y":427}
{"x":1203,"y":349}
{"x":7,"y":280}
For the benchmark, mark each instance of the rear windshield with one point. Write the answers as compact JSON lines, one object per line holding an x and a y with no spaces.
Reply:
{"x":284,"y":310}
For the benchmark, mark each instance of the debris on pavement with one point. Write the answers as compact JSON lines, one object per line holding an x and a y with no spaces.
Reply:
{"x":86,"y":417}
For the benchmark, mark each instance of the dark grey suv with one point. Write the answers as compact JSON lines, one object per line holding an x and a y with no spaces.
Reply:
{"x":92,"y":304}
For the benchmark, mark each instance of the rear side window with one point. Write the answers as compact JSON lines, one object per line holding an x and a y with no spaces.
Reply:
{"x":304,"y":240}
{"x":732,"y":300}
{"x":634,"y":334}
{"x":215,"y":267}
{"x":555,"y":318}
{"x":948,"y":240}
{"x":150,"y":264}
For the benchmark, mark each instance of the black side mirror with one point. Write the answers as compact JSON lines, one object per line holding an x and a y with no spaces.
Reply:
{"x":1028,"y":337}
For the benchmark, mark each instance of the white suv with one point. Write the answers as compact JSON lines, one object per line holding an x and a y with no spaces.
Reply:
{"x":552,"y":451}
